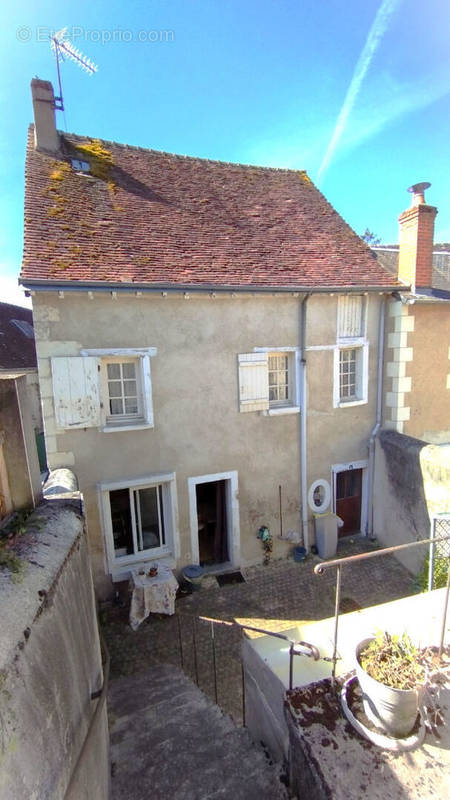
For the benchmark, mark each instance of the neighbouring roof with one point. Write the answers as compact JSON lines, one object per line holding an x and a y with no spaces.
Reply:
{"x":17,"y":348}
{"x":387,"y":255}
{"x":151,"y":218}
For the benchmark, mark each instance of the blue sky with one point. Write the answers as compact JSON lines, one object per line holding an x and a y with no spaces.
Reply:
{"x":357,"y":93}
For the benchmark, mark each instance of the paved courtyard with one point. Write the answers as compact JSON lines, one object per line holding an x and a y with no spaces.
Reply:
{"x":272,"y":597}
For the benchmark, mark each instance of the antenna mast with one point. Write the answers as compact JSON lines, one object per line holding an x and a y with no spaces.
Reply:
{"x":63,"y":49}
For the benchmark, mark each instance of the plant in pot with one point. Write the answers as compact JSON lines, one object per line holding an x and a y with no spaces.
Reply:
{"x":392,"y":681}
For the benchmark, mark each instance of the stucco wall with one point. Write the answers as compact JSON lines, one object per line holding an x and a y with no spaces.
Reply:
{"x":49,"y":664}
{"x":412,"y":482}
{"x":429,"y":371}
{"x":19,"y":443}
{"x":198,"y":429}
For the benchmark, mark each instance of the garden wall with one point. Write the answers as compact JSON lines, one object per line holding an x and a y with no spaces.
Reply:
{"x":412,"y":482}
{"x":50,"y":663}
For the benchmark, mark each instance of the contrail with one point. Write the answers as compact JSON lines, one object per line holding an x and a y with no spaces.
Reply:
{"x":376,"y":33}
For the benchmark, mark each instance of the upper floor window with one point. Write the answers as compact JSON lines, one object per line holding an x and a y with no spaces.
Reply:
{"x":106,"y":388}
{"x":268,"y":380}
{"x":352,"y":352}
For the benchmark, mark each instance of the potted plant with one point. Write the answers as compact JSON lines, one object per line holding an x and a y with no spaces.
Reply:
{"x":392,"y":680}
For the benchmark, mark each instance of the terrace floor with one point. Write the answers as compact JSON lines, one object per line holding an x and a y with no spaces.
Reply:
{"x":272,"y":597}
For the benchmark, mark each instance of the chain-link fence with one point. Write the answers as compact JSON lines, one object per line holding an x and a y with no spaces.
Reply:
{"x":439,"y":551}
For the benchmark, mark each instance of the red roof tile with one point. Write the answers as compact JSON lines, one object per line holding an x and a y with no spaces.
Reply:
{"x":156,"y":218}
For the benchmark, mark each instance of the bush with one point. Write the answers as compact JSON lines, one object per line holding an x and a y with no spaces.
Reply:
{"x":440,"y":569}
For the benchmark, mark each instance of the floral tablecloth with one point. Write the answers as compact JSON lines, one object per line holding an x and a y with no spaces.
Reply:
{"x":152,"y":595}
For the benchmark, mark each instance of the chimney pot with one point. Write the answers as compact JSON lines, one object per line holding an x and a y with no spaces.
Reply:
{"x":418,"y":192}
{"x":45,"y":134}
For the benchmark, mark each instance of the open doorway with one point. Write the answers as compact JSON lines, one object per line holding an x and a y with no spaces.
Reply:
{"x":212,"y":523}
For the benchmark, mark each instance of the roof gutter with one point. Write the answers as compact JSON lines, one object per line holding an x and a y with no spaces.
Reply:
{"x":109,"y":286}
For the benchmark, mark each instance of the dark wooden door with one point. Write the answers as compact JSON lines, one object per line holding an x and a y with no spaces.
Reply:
{"x":348,"y":500}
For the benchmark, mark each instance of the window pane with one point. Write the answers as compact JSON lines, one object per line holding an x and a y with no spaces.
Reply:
{"x":115,"y":388}
{"x":129,"y":388}
{"x":121,"y":522}
{"x":116,"y":407}
{"x":148,"y":501}
{"x":129,"y":370}
{"x":131,"y":405}
{"x":113,"y":370}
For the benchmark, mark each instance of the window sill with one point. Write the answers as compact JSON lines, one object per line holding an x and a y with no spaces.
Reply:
{"x":122,"y":572}
{"x":278,"y":412}
{"x":348,"y":403}
{"x":134,"y":426}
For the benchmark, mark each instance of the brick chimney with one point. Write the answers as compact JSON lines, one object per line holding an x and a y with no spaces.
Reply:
{"x":45,"y":134}
{"x":415,"y":258}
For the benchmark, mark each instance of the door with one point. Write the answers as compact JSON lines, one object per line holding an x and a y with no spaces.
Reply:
{"x":212,"y":522}
{"x":348,"y":500}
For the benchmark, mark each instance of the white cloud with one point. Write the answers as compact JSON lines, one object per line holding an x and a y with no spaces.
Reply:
{"x":11,"y":292}
{"x":376,"y":33}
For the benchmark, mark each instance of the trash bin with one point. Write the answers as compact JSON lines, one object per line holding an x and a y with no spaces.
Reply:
{"x":326,"y":528}
{"x":193,"y":575}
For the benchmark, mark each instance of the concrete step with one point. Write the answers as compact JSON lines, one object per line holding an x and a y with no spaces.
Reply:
{"x":170,"y":742}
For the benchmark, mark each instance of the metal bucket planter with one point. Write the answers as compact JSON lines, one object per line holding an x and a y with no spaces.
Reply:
{"x":395,"y":710}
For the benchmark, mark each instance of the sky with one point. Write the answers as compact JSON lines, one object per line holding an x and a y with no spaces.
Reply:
{"x":357,"y":92}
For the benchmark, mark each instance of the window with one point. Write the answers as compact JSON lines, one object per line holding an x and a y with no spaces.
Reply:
{"x":268,"y":380}
{"x":123,"y":392}
{"x":347,"y":374}
{"x":279,"y":379}
{"x":351,"y":353}
{"x":125,"y":387}
{"x":139,"y":520}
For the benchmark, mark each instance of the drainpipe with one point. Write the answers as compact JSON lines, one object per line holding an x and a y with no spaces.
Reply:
{"x":303,"y":413}
{"x":373,"y":435}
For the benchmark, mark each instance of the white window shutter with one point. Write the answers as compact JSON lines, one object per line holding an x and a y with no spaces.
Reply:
{"x":147,"y":390}
{"x":76,"y":391}
{"x":350,"y":316}
{"x":253,"y":382}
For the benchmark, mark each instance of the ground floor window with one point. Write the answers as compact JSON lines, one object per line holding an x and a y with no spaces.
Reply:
{"x":139,"y":519}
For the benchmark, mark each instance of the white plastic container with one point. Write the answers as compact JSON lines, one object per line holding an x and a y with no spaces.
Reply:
{"x":326,"y":528}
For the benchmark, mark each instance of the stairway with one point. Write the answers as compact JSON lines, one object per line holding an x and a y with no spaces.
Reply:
{"x":170,"y":742}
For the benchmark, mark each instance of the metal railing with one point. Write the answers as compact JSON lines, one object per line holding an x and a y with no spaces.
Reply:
{"x":339,"y":563}
{"x":296,"y":647}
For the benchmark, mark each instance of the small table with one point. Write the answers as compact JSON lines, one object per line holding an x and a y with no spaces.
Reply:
{"x":152,"y":595}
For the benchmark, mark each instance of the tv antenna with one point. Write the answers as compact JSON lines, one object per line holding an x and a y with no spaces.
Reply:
{"x":63,"y":48}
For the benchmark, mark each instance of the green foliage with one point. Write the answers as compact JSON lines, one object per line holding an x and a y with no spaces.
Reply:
{"x":371,"y":238}
{"x":440,"y":569}
{"x":393,"y":660}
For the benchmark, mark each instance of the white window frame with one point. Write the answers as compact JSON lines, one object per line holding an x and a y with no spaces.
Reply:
{"x":141,"y":356}
{"x":293,"y":405}
{"x":361,"y":345}
{"x":119,"y":566}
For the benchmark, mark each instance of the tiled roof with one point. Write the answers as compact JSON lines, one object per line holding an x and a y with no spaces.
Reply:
{"x":387,"y":255}
{"x":155,"y":218}
{"x":17,"y":348}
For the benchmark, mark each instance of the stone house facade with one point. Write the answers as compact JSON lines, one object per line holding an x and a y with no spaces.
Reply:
{"x":209,"y":341}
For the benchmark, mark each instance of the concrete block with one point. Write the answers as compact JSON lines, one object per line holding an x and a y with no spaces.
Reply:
{"x":395,"y":399}
{"x":397,"y":309}
{"x":49,"y":349}
{"x":401,"y":414}
{"x":405,"y":324}
{"x":57,"y":460}
{"x":401,"y":384}
{"x":398,"y":339}
{"x":44,"y":368}
{"x":395,"y":369}
{"x":403,"y":354}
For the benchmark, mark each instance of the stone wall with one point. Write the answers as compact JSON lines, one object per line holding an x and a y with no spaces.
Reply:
{"x":50,"y":663}
{"x":412,"y":482}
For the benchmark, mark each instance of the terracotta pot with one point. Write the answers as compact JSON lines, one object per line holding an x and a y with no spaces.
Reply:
{"x":395,"y":710}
